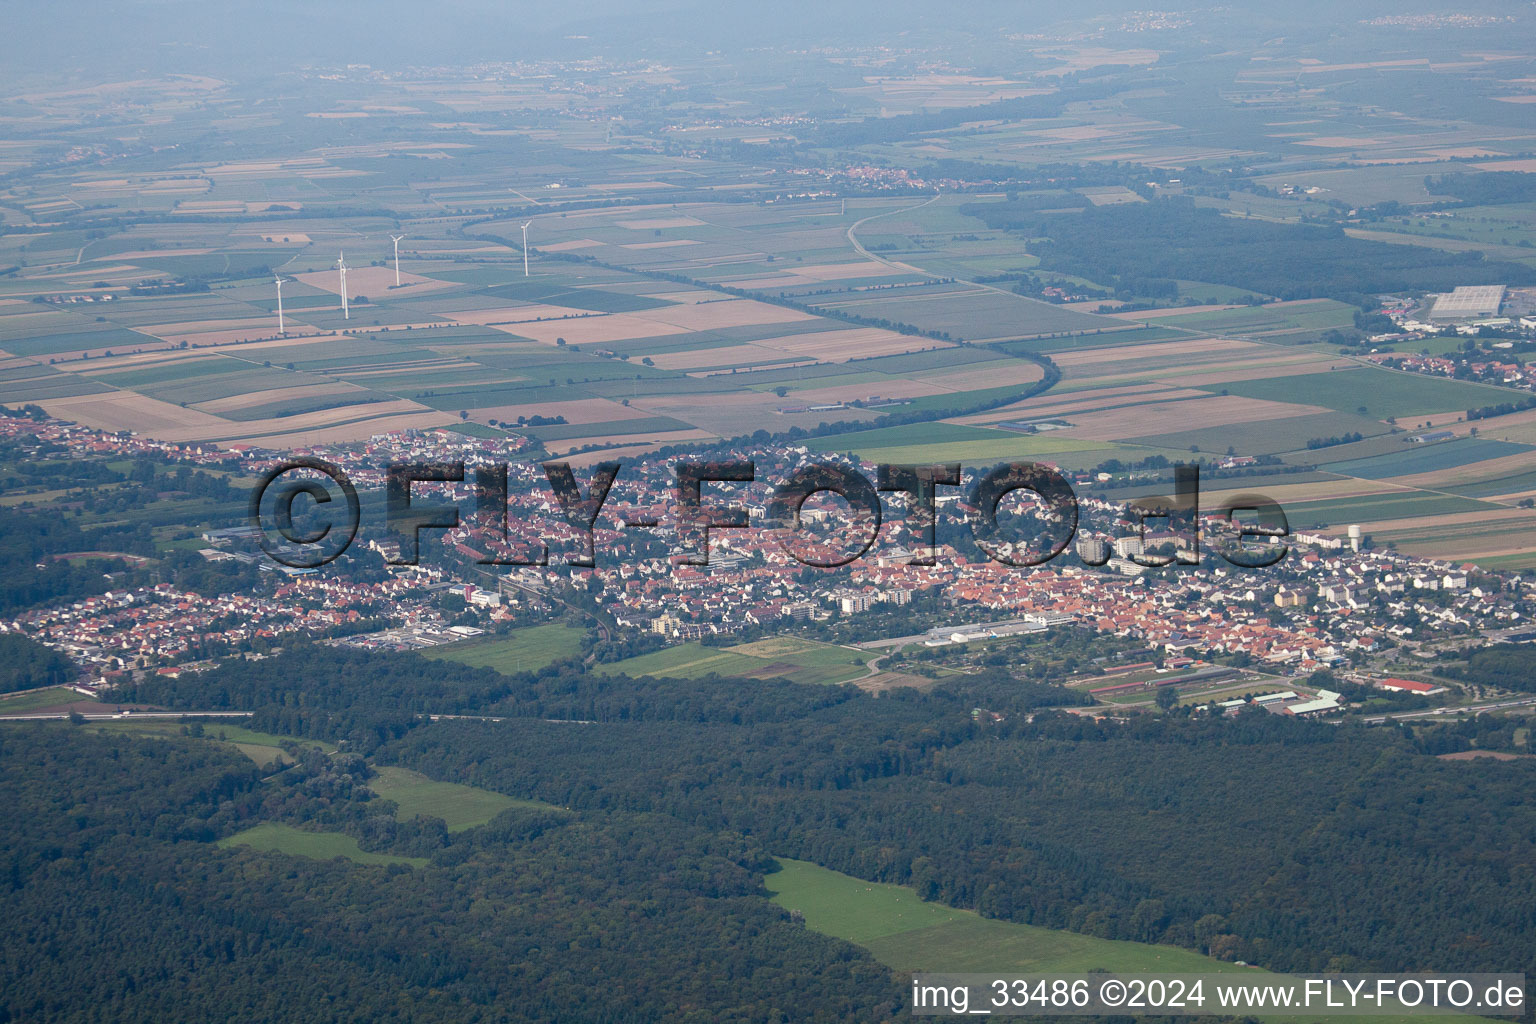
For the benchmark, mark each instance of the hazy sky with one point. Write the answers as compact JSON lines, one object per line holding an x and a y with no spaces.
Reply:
{"x":206,"y":35}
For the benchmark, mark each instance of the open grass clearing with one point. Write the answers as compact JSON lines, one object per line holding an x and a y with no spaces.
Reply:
{"x":461,"y":807}
{"x":271,"y":837}
{"x":523,"y":650}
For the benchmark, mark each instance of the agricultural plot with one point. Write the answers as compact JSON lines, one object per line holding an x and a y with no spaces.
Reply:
{"x":39,"y":700}
{"x":1288,"y":435}
{"x":1373,"y":392}
{"x":974,"y":446}
{"x":1429,"y":458}
{"x":1275,"y":318}
{"x":966,"y":312}
{"x":1376,"y":508}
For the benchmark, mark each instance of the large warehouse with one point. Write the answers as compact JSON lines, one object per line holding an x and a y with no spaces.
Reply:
{"x":1469,"y":302}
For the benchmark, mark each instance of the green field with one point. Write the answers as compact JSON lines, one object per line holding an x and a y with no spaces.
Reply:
{"x":274,"y":838}
{"x":1379,"y":507}
{"x":461,"y":807}
{"x":816,"y":662}
{"x":685,"y":661}
{"x":524,"y":650}
{"x":1372,"y":392}
{"x":948,"y":442}
{"x":1319,"y":314}
{"x":799,"y":661}
{"x":908,"y":934}
{"x":1417,"y":458}
{"x":33,"y":700}
{"x":240,"y":736}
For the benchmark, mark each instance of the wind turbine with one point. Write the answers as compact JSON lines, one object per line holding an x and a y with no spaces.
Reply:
{"x":525,"y":249}
{"x":341,"y":268}
{"x":396,"y":240}
{"x":280,"y":329}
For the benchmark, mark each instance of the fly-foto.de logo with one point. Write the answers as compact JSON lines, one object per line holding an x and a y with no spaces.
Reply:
{"x":1248,"y":528}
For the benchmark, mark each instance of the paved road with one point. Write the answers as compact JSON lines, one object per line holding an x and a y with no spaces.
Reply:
{"x":94,"y":716}
{"x":1471,"y":709}
{"x":513,"y":718}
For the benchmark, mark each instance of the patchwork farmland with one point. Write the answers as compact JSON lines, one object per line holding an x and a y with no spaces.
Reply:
{"x":655,"y":315}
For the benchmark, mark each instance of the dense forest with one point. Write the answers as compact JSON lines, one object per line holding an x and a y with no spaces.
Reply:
{"x":1291,"y":844}
{"x":26,"y":664}
{"x":117,"y":907}
{"x":1118,"y":246}
{"x":1485,"y":188}
{"x":1508,"y":666}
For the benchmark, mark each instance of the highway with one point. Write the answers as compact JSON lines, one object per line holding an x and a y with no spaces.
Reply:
{"x":95,"y":716}
{"x":1470,"y":709}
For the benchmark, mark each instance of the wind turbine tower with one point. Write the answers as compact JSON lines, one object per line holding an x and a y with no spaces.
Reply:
{"x":396,"y":240}
{"x":280,"y":329}
{"x":341,"y":268}
{"x":525,"y":249}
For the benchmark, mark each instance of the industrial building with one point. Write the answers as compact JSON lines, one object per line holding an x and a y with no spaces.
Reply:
{"x":1469,"y":303}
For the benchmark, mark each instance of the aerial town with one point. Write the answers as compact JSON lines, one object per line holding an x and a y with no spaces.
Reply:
{"x":1334,"y":604}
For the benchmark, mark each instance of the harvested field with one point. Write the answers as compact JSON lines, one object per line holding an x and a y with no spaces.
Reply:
{"x":1019,"y":372}
{"x":839,"y":346}
{"x":661,"y":438}
{"x":231,"y":336}
{"x":374,"y":282}
{"x":1317,"y":490}
{"x":1048,"y":404}
{"x":659,"y":223}
{"x":124,"y":410}
{"x":517,"y":313}
{"x":1508,"y":517}
{"x":708,"y":316}
{"x":730,"y":355}
{"x":629,"y":451}
{"x":1470,"y":473}
{"x":1155,"y":350}
{"x":696,"y":295}
{"x":880,"y":682}
{"x":585,"y":410}
{"x":1164,"y":314}
{"x":894,"y":388}
{"x":343,"y":433}
{"x":591,"y":330}
{"x":573,"y":244}
{"x":671,"y":243}
{"x":736,"y":413}
{"x":1290,"y":366}
{"x":1169,"y":417}
{"x":234,"y":403}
